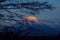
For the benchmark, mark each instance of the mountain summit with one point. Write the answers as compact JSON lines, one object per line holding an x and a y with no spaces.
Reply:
{"x":34,"y":29}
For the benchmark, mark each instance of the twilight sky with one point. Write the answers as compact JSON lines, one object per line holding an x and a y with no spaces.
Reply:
{"x":50,"y":15}
{"x":54,"y":14}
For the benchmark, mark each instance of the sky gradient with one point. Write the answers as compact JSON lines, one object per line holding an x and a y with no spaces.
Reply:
{"x":50,"y":16}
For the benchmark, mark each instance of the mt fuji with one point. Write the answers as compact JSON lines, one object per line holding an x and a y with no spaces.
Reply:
{"x":34,"y":30}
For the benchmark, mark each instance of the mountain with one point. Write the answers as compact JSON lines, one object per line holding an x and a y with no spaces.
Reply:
{"x":45,"y":30}
{"x":35,"y":29}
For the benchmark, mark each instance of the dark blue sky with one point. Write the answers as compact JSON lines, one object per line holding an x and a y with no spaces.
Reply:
{"x":49,"y":15}
{"x":52,"y":17}
{"x":55,"y":14}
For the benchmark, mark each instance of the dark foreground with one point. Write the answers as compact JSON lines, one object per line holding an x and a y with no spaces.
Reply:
{"x":15,"y":36}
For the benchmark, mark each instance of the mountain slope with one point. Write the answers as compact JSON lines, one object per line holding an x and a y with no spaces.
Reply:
{"x":37,"y":30}
{"x":45,"y":30}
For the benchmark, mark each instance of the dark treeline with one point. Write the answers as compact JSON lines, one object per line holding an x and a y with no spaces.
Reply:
{"x":15,"y":36}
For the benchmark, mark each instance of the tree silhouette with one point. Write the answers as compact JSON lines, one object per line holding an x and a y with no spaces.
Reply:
{"x":33,"y":7}
{"x":24,"y":8}
{"x":2,"y":0}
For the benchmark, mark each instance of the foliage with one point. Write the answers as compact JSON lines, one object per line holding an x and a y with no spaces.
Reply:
{"x":31,"y":8}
